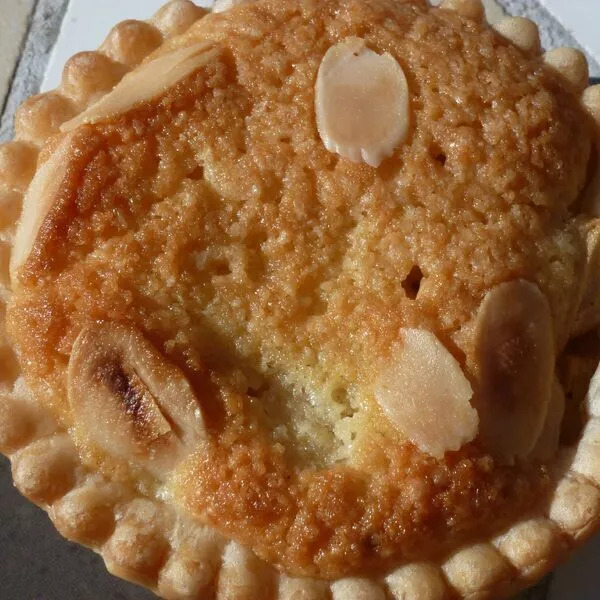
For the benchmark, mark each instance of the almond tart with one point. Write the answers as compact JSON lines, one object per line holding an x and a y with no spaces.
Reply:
{"x":300,"y":300}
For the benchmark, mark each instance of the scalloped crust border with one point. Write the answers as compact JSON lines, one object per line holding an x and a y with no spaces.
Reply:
{"x":149,"y":542}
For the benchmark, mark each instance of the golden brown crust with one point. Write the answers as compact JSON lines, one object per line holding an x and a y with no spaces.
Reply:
{"x":571,"y":64}
{"x":143,"y":541}
{"x":522,"y":32}
{"x":45,"y":470}
{"x":471,"y":9}
{"x":477,"y":570}
{"x":130,"y":42}
{"x":532,"y":547}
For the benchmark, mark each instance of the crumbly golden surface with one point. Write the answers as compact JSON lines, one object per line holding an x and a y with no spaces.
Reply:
{"x":277,"y":275}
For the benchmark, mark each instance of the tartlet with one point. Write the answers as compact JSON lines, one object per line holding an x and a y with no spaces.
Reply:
{"x":303,"y":301}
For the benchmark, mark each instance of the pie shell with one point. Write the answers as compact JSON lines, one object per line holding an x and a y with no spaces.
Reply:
{"x":147,"y":541}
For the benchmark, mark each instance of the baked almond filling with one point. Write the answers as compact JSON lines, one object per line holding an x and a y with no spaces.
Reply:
{"x":329,"y":327}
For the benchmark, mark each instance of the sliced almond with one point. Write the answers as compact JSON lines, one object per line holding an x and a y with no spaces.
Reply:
{"x":37,"y":202}
{"x":588,"y":312}
{"x":514,"y":348}
{"x":425,"y":394}
{"x":547,"y":445}
{"x":361,"y":102}
{"x":129,"y":400}
{"x":146,"y":83}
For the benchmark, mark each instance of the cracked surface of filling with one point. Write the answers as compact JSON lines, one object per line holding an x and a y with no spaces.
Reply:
{"x":271,"y":271}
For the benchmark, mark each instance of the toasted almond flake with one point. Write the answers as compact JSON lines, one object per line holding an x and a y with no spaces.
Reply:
{"x":571,"y":64}
{"x":357,"y":588}
{"x":361,"y":102}
{"x":522,"y":32}
{"x":425,"y":394}
{"x":417,"y":580}
{"x":129,"y":400}
{"x":38,"y":201}
{"x":514,"y":349}
{"x":477,"y":567}
{"x":143,"y":85}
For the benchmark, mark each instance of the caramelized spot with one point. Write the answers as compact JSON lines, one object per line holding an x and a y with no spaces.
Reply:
{"x":126,"y":386}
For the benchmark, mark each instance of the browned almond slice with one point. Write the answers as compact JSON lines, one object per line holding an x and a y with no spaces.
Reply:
{"x":425,"y":394}
{"x":547,"y":444}
{"x":129,"y":400}
{"x":592,"y":398}
{"x":514,"y":349}
{"x":38,"y":201}
{"x":361,"y":102}
{"x":588,"y":312}
{"x":143,"y":84}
